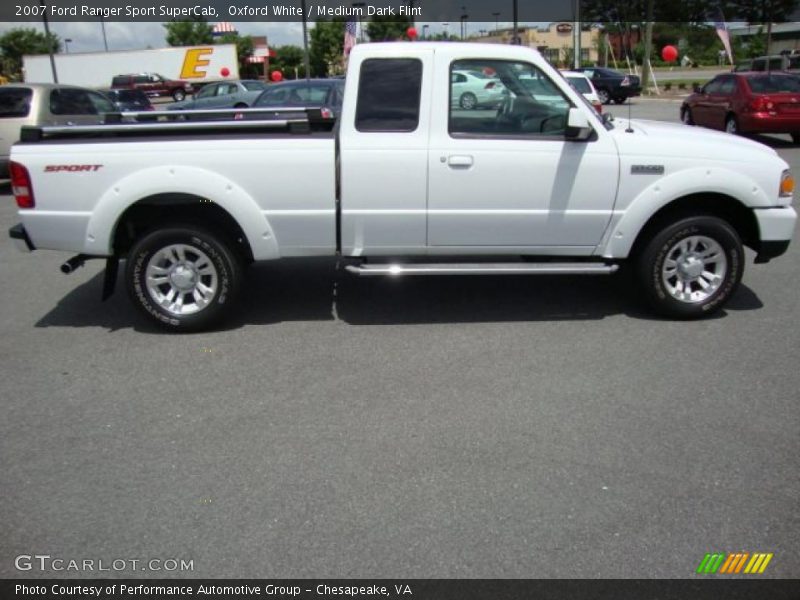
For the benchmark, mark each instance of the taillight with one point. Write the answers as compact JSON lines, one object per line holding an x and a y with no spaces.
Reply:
{"x":21,"y":185}
{"x":598,"y":107}
{"x":761,"y":104}
{"x":626,"y":81}
{"x":326,"y":113}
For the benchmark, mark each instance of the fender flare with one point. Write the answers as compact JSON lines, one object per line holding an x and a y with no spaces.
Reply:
{"x":625,"y":229}
{"x":172,"y":179}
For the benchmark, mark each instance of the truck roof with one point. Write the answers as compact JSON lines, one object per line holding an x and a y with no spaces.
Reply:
{"x":481,"y":50}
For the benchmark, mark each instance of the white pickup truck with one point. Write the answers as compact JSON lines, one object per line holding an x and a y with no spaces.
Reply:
{"x":415,"y":179}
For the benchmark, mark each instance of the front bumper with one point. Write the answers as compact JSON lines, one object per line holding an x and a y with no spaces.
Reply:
{"x":20,"y":238}
{"x":776,"y":228}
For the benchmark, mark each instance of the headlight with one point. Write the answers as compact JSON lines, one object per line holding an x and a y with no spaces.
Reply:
{"x":787,"y":184}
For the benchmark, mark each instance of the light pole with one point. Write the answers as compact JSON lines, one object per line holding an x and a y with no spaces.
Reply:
{"x":445,"y":26}
{"x":103,"y":28}
{"x":515,"y":37}
{"x":49,"y":45}
{"x":425,"y":32}
{"x":66,"y":44}
{"x":360,"y":6}
{"x":496,"y":16}
{"x":463,"y":22}
{"x":306,"y":62}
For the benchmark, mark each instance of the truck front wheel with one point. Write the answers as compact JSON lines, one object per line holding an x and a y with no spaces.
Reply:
{"x":183,"y":278}
{"x":691,"y":267}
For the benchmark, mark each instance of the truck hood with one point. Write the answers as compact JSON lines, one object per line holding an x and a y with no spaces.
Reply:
{"x":669,"y":139}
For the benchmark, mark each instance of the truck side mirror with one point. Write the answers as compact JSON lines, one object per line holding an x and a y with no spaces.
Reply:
{"x":697,"y":89}
{"x":578,"y":127}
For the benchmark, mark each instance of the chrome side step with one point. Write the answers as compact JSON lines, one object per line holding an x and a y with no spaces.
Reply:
{"x":522,"y":268}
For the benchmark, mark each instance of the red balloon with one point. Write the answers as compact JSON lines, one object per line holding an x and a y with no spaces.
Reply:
{"x":411,"y":32}
{"x":669,"y":53}
{"x":224,"y":71}
{"x":276,"y":76}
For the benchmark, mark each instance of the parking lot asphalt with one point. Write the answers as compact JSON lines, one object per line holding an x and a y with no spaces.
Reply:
{"x":434,"y":427}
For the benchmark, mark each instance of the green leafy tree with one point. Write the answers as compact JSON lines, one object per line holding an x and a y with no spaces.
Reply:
{"x":288,"y":60}
{"x":189,"y":32}
{"x":16,"y":43}
{"x":326,"y":48}
{"x":388,"y":29}
{"x":244,"y":48}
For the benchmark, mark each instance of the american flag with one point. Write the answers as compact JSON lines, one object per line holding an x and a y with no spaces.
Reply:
{"x":349,"y":37}
{"x":722,"y":32}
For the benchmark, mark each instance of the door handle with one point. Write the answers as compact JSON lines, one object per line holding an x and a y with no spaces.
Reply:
{"x":460,"y":161}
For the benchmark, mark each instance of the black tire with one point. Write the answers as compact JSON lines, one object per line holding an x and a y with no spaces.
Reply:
{"x":224,"y":263}
{"x":796,"y":138}
{"x":620,"y":99}
{"x":603,"y":95}
{"x":686,"y":116}
{"x":468,"y":101}
{"x":179,"y":95}
{"x":651,"y":263}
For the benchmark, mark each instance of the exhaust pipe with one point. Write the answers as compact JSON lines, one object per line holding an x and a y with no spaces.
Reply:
{"x":74,"y":263}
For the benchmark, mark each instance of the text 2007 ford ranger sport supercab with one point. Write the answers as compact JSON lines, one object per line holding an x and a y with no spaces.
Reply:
{"x":412,"y":180}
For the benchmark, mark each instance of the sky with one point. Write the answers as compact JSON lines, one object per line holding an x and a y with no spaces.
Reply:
{"x":87,"y":36}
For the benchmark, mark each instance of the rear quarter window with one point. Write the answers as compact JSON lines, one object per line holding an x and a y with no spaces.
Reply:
{"x":389,"y":95}
{"x":15,"y":102}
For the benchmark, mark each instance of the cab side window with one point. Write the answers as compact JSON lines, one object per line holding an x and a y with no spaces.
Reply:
{"x":389,"y":95}
{"x":505,"y":98}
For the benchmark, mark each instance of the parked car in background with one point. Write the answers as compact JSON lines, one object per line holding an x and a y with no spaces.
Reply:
{"x":129,"y":100}
{"x":583,"y":85}
{"x":154,"y":85}
{"x":613,"y":85}
{"x":40,"y":104}
{"x":767,"y":102}
{"x":223,"y":94}
{"x":325,"y":94}
{"x":476,"y":89}
{"x":777,"y":62}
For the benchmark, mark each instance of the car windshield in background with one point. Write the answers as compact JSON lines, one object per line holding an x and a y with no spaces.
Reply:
{"x":580,"y":84}
{"x":253,"y":86}
{"x":15,"y":102}
{"x":773,"y":84}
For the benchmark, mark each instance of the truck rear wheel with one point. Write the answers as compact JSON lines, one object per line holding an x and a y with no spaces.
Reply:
{"x":691,"y":267}
{"x":178,"y":95}
{"x":183,"y":278}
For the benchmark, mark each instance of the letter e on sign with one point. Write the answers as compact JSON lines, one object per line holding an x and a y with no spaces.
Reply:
{"x":193,"y":61}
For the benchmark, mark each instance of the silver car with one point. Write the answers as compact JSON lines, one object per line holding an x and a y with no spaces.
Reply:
{"x":40,"y":104}
{"x":223,"y":94}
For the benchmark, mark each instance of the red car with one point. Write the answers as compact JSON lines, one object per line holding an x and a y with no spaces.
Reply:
{"x":763,"y":102}
{"x":153,"y":84}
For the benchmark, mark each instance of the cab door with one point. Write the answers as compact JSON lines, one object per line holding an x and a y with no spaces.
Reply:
{"x":506,"y":177}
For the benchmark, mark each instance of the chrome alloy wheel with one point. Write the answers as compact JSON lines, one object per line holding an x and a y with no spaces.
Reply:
{"x":181,"y":279}
{"x":694,"y":269}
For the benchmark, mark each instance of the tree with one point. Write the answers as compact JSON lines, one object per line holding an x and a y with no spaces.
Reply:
{"x":326,"y":48}
{"x":15,"y":43}
{"x":244,"y":48}
{"x":190,"y":32}
{"x":288,"y":60}
{"x":388,"y":29}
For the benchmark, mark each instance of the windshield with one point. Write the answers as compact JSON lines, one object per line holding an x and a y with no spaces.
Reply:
{"x":774,"y":84}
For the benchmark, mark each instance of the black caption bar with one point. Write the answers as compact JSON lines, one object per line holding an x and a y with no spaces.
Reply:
{"x":595,"y":11}
{"x":411,"y":589}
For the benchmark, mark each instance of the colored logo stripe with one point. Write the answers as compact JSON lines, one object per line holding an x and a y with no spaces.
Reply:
{"x":758,"y":563}
{"x":733,"y":563}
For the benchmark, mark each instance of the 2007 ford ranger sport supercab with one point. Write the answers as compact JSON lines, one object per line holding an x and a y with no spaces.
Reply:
{"x":413,"y":180}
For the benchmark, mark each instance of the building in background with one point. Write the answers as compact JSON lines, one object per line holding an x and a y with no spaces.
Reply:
{"x":785,"y":36}
{"x":554,"y":41}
